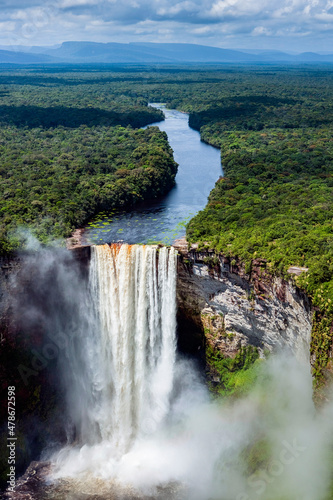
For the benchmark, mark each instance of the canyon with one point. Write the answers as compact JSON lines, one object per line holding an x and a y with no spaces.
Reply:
{"x":218,"y":306}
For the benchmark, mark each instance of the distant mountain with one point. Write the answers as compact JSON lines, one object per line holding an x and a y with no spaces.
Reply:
{"x":155,"y":53}
{"x":14,"y":57}
{"x":145,"y":53}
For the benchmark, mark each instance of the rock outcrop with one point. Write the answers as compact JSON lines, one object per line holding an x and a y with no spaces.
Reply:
{"x":219,"y":304}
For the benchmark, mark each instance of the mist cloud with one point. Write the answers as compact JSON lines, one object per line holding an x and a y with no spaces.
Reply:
{"x":209,"y":449}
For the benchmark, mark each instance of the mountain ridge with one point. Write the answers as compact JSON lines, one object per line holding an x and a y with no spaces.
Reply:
{"x":149,"y":53}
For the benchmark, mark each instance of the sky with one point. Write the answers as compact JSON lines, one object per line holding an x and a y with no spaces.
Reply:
{"x":289,"y":25}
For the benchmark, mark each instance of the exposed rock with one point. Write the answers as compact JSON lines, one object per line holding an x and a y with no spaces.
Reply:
{"x":37,"y":484}
{"x":233,"y":309}
{"x":39,"y":408}
{"x":297,"y":270}
{"x":77,"y":239}
{"x":32,"y":485}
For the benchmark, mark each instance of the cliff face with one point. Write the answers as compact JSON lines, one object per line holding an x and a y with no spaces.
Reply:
{"x":33,"y":302}
{"x":221,"y":305}
{"x":229,"y":309}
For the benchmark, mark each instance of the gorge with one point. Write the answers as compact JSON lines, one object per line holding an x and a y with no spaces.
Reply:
{"x":162,"y":437}
{"x":131,"y":415}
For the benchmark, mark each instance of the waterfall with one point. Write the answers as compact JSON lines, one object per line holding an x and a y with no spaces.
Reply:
{"x":128,"y":360}
{"x":145,"y":424}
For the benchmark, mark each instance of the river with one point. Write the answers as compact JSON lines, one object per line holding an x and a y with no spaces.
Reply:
{"x":163,"y":220}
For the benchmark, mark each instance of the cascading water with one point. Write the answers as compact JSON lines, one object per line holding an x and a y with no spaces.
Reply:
{"x":136,"y":309}
{"x":122,"y":366}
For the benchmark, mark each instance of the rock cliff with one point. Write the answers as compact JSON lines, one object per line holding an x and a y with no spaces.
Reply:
{"x":221,"y":305}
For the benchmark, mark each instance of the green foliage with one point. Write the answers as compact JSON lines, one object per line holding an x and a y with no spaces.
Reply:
{"x":237,"y":374}
{"x":276,"y":199}
{"x":212,"y":261}
{"x":62,"y":158}
{"x":257,"y":455}
{"x":271,"y":204}
{"x":73,"y":117}
{"x":70,"y":100}
{"x":321,"y":343}
{"x":69,"y":175}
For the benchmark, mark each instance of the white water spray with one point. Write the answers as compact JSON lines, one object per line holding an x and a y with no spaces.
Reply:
{"x":131,"y":354}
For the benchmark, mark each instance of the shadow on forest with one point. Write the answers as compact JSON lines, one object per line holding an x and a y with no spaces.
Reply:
{"x":51,"y":82}
{"x":35,"y":116}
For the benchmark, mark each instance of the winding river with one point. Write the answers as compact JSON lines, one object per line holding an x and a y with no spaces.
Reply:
{"x":163,"y":220}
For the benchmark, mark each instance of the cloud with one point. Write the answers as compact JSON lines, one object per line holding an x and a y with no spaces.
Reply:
{"x":77,"y":3}
{"x":325,"y":17}
{"x":221,"y":22}
{"x":261,"y":30}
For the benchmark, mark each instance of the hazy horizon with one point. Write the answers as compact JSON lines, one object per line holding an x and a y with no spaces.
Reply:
{"x":288,"y":25}
{"x":254,"y":50}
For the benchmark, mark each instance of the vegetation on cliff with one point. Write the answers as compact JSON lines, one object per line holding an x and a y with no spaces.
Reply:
{"x":233,"y":376}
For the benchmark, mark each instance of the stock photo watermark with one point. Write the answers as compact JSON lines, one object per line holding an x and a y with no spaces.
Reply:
{"x":260,"y":480}
{"x":36,"y":19}
{"x":11,"y":438}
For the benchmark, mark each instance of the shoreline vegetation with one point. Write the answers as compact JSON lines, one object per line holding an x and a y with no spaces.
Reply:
{"x":63,"y":160}
{"x":275,"y":201}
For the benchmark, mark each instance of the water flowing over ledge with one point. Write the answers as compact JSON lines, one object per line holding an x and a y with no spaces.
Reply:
{"x":135,"y":303}
{"x":129,"y":353}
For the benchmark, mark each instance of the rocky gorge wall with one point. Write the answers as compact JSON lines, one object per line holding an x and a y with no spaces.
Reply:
{"x":221,"y":306}
{"x":32,"y":299}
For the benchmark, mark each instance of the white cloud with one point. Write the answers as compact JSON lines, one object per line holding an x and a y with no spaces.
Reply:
{"x":7,"y":26}
{"x":76,"y":3}
{"x":261,"y":30}
{"x":222,"y":22}
{"x":19,"y":15}
{"x":235,"y":8}
{"x":203,"y":30}
{"x":177,"y":8}
{"x":325,"y":17}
